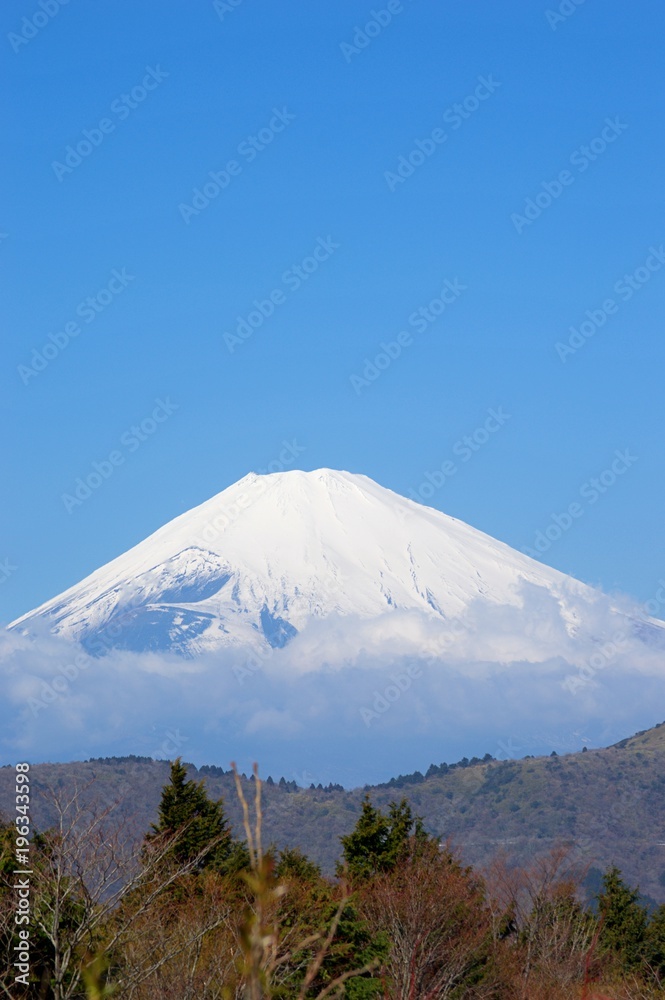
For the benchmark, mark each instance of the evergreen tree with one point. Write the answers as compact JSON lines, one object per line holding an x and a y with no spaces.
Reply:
{"x":197,"y":823}
{"x":293,"y":864}
{"x":624,"y":921}
{"x":354,"y":946}
{"x":378,"y":842}
{"x":655,"y":945}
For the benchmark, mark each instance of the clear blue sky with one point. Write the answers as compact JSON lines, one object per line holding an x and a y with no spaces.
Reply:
{"x":217,"y":77}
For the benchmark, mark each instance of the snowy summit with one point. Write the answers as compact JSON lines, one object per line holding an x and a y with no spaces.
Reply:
{"x":264,"y":559}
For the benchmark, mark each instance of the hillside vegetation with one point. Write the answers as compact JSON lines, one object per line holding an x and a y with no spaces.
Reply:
{"x":189,"y":909}
{"x":608,"y":805}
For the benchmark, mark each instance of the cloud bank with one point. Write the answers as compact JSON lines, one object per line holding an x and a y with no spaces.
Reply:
{"x":349,"y":700}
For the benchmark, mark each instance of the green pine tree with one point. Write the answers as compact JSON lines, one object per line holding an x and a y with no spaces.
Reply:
{"x":353,"y":947}
{"x":378,"y":842}
{"x":198,"y":824}
{"x":293,"y":864}
{"x":624,"y":921}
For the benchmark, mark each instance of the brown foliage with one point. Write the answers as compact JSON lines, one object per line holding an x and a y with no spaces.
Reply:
{"x":439,"y":928}
{"x":548,"y":936}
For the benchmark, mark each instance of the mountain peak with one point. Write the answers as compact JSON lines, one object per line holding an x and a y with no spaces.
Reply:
{"x":260,"y":562}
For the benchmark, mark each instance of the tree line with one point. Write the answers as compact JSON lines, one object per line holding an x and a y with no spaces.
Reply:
{"x":188,"y":910}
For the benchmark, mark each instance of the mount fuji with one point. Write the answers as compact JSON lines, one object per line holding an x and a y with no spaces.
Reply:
{"x":272,"y":557}
{"x":334,"y":631}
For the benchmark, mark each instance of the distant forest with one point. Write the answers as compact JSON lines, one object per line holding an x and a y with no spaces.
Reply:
{"x":189,"y":910}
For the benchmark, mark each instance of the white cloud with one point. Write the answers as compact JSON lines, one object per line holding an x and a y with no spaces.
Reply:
{"x":498,"y":679}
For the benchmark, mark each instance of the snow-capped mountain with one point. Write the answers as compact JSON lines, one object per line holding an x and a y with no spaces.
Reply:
{"x":324,"y":625}
{"x":268,"y":557}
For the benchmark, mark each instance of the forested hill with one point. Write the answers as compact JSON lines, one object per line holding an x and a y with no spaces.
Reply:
{"x":608,"y":804}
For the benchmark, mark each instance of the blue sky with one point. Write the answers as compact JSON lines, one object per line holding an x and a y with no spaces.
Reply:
{"x":335,"y":113}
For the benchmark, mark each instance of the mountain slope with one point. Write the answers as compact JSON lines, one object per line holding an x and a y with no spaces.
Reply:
{"x":608,"y":805}
{"x":260,"y":562}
